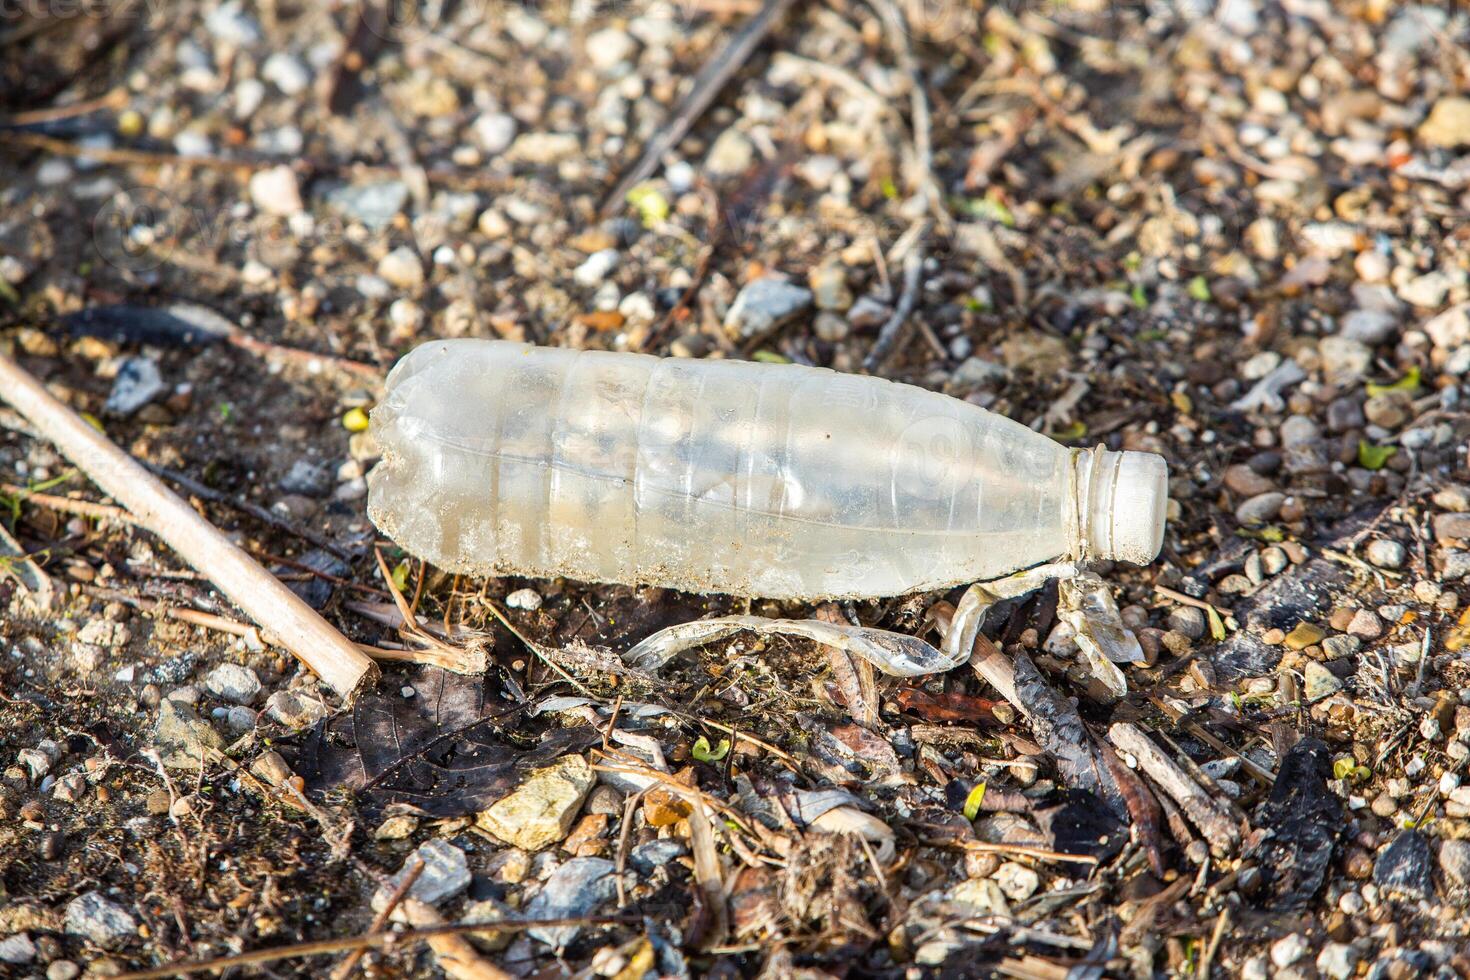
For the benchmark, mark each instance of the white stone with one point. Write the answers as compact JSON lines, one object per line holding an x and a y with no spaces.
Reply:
{"x":402,"y":268}
{"x":528,"y":599}
{"x":232,"y":682}
{"x":99,"y":919}
{"x":540,"y":811}
{"x":275,"y":191}
{"x":494,"y":131}
{"x":1288,"y":949}
{"x":1017,"y":881}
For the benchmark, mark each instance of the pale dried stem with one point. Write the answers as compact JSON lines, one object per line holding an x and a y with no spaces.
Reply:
{"x":310,"y":638}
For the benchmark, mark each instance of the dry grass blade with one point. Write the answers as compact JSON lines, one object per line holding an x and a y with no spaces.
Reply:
{"x":469,"y":659}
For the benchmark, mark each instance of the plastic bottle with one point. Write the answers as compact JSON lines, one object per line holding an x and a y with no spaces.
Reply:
{"x":752,"y":479}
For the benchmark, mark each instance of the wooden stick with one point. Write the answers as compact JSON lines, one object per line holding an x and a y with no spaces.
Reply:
{"x":1209,"y":816}
{"x":415,"y":868}
{"x":312,"y":639}
{"x":456,"y":957}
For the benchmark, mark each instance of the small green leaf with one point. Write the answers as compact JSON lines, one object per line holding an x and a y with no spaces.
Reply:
{"x":1217,"y":625}
{"x":1199,"y":289}
{"x":650,"y":203}
{"x":1140,"y":298}
{"x":1343,"y":768}
{"x":704,"y":753}
{"x":8,"y":293}
{"x":770,"y":357}
{"x":992,"y":208}
{"x":1409,"y":382}
{"x":1077,"y":430}
{"x":973,"y":801}
{"x":400,"y":576}
{"x":889,"y":188}
{"x":1371,"y":457}
{"x":225,"y":411}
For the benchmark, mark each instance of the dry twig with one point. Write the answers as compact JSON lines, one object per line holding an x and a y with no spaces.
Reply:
{"x":302,"y":631}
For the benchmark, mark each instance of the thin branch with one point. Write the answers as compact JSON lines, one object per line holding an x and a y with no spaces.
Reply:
{"x":302,"y":631}
{"x":707,"y":86}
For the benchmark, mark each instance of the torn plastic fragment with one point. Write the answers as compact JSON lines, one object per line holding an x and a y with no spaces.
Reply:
{"x":892,"y":653}
{"x":1086,"y":604}
{"x":969,"y":616}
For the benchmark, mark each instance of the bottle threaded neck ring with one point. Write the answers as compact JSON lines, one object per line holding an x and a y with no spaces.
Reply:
{"x":1121,"y":502}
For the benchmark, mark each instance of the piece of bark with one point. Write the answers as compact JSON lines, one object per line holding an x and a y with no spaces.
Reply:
{"x":1219,"y":830}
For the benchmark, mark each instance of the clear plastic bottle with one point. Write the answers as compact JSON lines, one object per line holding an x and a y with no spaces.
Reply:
{"x":729,"y":476}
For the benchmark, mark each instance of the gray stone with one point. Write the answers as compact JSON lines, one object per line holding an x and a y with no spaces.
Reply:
{"x":240,"y":719}
{"x":1371,"y":327}
{"x":308,"y":479}
{"x":1260,"y":508}
{"x":373,"y":205}
{"x":597,"y":267}
{"x":446,"y":873}
{"x":1338,"y":961}
{"x":182,"y":738}
{"x":63,"y":970}
{"x":1385,"y":553}
{"x":1365,"y":625}
{"x":1187,"y":620}
{"x":575,"y":889}
{"x":1344,"y":360}
{"x":763,"y":305}
{"x":1318,"y":682}
{"x":1454,"y":862}
{"x":1403,"y":867}
{"x":1456,"y":565}
{"x":1342,"y":645}
{"x":1299,"y":430}
{"x":99,"y":919}
{"x":275,"y":191}
{"x":1454,"y":527}
{"x":286,"y":72}
{"x":1450,"y":329}
{"x":138,"y":382}
{"x":527,"y":599}
{"x":1288,"y":949}
{"x":230,"y":24}
{"x":645,"y":858}
{"x":1344,"y":414}
{"x":232,"y":682}
{"x":978,"y":371}
{"x":17,"y":949}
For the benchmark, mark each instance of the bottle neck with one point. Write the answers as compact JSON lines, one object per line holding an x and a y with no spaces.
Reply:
{"x":1117,"y":506}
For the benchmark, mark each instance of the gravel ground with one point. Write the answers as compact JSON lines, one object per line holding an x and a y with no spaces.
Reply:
{"x":1232,"y":233}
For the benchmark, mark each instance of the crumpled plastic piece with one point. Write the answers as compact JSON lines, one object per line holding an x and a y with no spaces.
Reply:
{"x":1086,"y":604}
{"x":969,"y":616}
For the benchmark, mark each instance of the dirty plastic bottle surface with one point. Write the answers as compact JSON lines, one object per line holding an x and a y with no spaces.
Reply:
{"x":782,"y":481}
